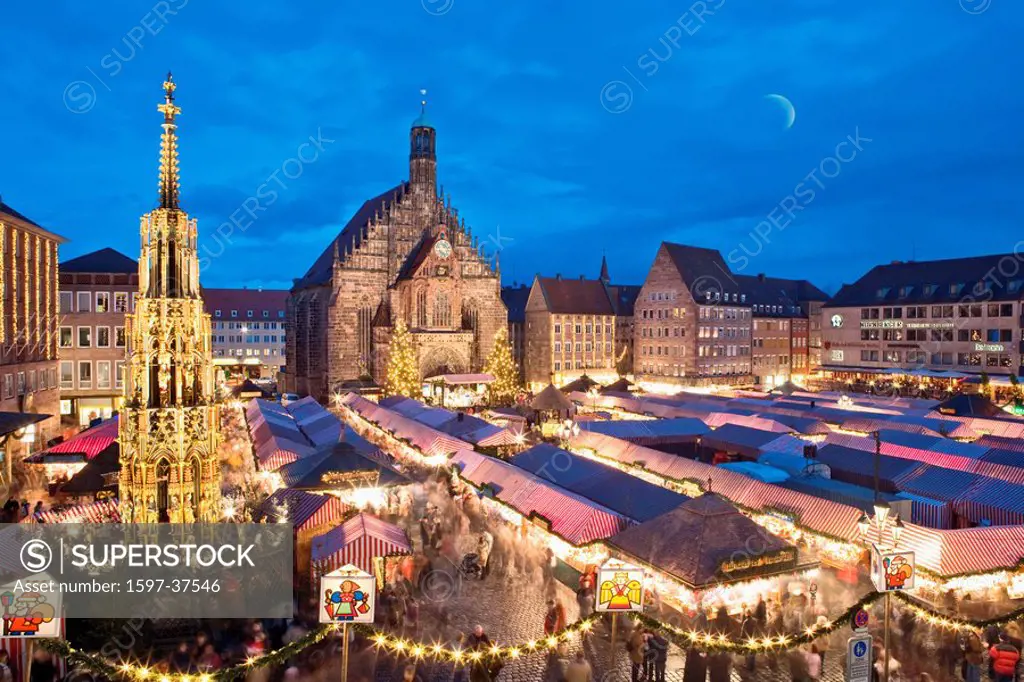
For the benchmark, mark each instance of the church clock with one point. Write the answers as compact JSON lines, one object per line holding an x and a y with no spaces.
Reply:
{"x":443,"y":248}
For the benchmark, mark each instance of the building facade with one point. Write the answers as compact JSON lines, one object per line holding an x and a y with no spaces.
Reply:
{"x":406,"y":254}
{"x":781,"y":330}
{"x":97,"y":291}
{"x":692,"y":322}
{"x":248,"y":331}
{"x":28,"y":323}
{"x":169,"y":424}
{"x":570,"y":331}
{"x":961,"y":315}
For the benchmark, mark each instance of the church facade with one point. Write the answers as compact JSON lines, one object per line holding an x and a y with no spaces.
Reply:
{"x":405,"y":255}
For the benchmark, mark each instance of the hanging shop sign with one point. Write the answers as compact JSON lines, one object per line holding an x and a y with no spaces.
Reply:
{"x":620,"y":587}
{"x":773,"y":562}
{"x":881,"y":324}
{"x":347,"y":595}
{"x":893,"y":571}
{"x":989,"y":347}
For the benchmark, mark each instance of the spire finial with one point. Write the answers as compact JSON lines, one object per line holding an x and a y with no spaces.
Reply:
{"x":423,"y":101}
{"x":169,"y":184}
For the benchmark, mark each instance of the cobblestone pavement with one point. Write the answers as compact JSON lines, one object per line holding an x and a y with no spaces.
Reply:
{"x":511,"y":609}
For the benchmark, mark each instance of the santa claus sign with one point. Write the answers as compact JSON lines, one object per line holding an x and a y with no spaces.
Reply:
{"x":347,"y":595}
{"x":893,"y":571}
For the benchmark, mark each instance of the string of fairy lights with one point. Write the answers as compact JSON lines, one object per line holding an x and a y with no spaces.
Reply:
{"x":400,"y":646}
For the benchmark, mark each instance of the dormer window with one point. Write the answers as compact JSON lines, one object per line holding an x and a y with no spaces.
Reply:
{"x":883,"y":292}
{"x":954,"y":289}
{"x":1014,"y":285}
{"x":905,"y":291}
{"x":929,"y":289}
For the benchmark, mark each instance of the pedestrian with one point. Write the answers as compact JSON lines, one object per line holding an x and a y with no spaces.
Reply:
{"x":208,"y":660}
{"x":798,"y":671}
{"x":635,"y":649}
{"x":659,"y":645}
{"x":554,"y":620}
{"x":823,"y":642}
{"x":181,"y":659}
{"x":719,"y":667}
{"x":696,"y":667}
{"x":411,"y":621}
{"x":813,"y":664}
{"x":38,"y":510}
{"x":410,"y":674}
{"x":585,"y":598}
{"x":1004,"y":657}
{"x":579,"y":670}
{"x":483,"y":552}
{"x":24,"y":509}
{"x":6,"y":674}
{"x":42,"y":668}
{"x":974,"y":657}
{"x":748,"y":631}
{"x":761,"y":612}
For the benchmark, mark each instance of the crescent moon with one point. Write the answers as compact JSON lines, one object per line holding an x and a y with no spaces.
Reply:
{"x":788,"y":106}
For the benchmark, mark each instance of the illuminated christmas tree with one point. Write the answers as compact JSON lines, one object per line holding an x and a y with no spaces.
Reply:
{"x":403,"y":376}
{"x":506,"y":374}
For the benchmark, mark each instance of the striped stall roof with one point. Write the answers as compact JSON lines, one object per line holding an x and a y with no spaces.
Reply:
{"x":1001,"y":443}
{"x":858,"y":466}
{"x":305,"y":510}
{"x":427,"y":440}
{"x":358,"y":541}
{"x":925,"y":511}
{"x":991,"y":500}
{"x":1007,"y":427}
{"x":936,"y":482}
{"x":947,"y":553}
{"x":679,"y":429}
{"x":103,"y":511}
{"x":82,"y":446}
{"x":573,"y":517}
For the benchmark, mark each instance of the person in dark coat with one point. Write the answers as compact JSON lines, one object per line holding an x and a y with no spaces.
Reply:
{"x":657,"y":646}
{"x":719,"y":667}
{"x":696,"y":668}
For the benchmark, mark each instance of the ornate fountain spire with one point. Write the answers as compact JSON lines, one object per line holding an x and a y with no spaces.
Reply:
{"x":169,"y":180}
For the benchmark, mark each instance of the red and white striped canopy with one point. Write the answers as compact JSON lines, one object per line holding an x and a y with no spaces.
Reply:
{"x":358,"y":541}
{"x":82,"y":446}
{"x":305,"y":510}
{"x":94,"y":512}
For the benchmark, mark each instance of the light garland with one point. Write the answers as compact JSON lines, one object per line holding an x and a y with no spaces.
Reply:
{"x":704,"y":640}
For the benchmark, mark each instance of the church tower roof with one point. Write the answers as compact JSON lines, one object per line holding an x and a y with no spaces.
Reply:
{"x":422,"y":121}
{"x":604,"y":276}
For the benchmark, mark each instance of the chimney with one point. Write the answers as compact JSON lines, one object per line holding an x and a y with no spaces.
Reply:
{"x":581,"y":278}
{"x":558,"y":276}
{"x":760,"y":277}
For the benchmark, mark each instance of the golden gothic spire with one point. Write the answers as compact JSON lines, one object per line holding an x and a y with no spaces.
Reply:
{"x":169,"y":184}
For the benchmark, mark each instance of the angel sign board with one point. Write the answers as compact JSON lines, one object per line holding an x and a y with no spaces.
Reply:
{"x":620,"y":587}
{"x":30,"y":607}
{"x":347,"y":595}
{"x":893,"y":570}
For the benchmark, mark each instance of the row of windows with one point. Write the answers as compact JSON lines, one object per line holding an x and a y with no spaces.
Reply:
{"x":938,"y":311}
{"x":252,"y":338}
{"x":86,"y":337}
{"x":660,"y":314}
{"x":979,"y":288}
{"x":770,"y":360}
{"x":723,"y":333}
{"x":580,"y":328}
{"x":249,"y":314}
{"x":84,"y":379}
{"x":97,"y":302}
{"x":252,"y":352}
{"x":769,"y":325}
{"x":778,"y":309}
{"x":920,"y":357}
{"x":940,"y":335}
{"x":676,"y":351}
{"x":26,"y":382}
{"x":580,"y":347}
{"x":724,"y":313}
{"x":245,"y":326}
{"x":580,"y":364}
{"x":722,"y":351}
{"x":661,"y":332}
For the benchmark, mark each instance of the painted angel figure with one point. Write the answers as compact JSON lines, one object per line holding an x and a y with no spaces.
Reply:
{"x":151,"y":513}
{"x":188,"y":511}
{"x":620,"y":593}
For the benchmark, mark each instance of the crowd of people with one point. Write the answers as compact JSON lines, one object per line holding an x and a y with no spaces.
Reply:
{"x":16,"y":512}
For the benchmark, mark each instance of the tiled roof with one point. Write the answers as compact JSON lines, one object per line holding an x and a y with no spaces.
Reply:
{"x":702,"y":269}
{"x":515,"y":298}
{"x":349,"y":238}
{"x":924,"y":282}
{"x":576,"y":296}
{"x":243,"y":300}
{"x":778,"y":291}
{"x":105,"y":260}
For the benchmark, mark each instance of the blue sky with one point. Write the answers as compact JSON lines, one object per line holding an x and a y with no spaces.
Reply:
{"x":578,"y":129}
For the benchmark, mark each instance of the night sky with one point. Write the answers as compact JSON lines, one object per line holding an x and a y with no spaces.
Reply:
{"x":579,"y":129}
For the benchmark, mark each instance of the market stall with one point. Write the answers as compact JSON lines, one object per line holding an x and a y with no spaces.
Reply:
{"x":360,"y":480}
{"x":706,"y":552}
{"x":373,"y":545}
{"x":67,"y":458}
{"x":309,"y":515}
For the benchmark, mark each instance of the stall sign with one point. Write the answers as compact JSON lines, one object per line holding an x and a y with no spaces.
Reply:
{"x":893,"y":571}
{"x":620,"y":587}
{"x":347,"y":595}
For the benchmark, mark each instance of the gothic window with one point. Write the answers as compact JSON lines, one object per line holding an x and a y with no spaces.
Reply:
{"x":442,"y":311}
{"x":470,"y":317}
{"x":363,"y":333}
{"x":421,"y":309}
